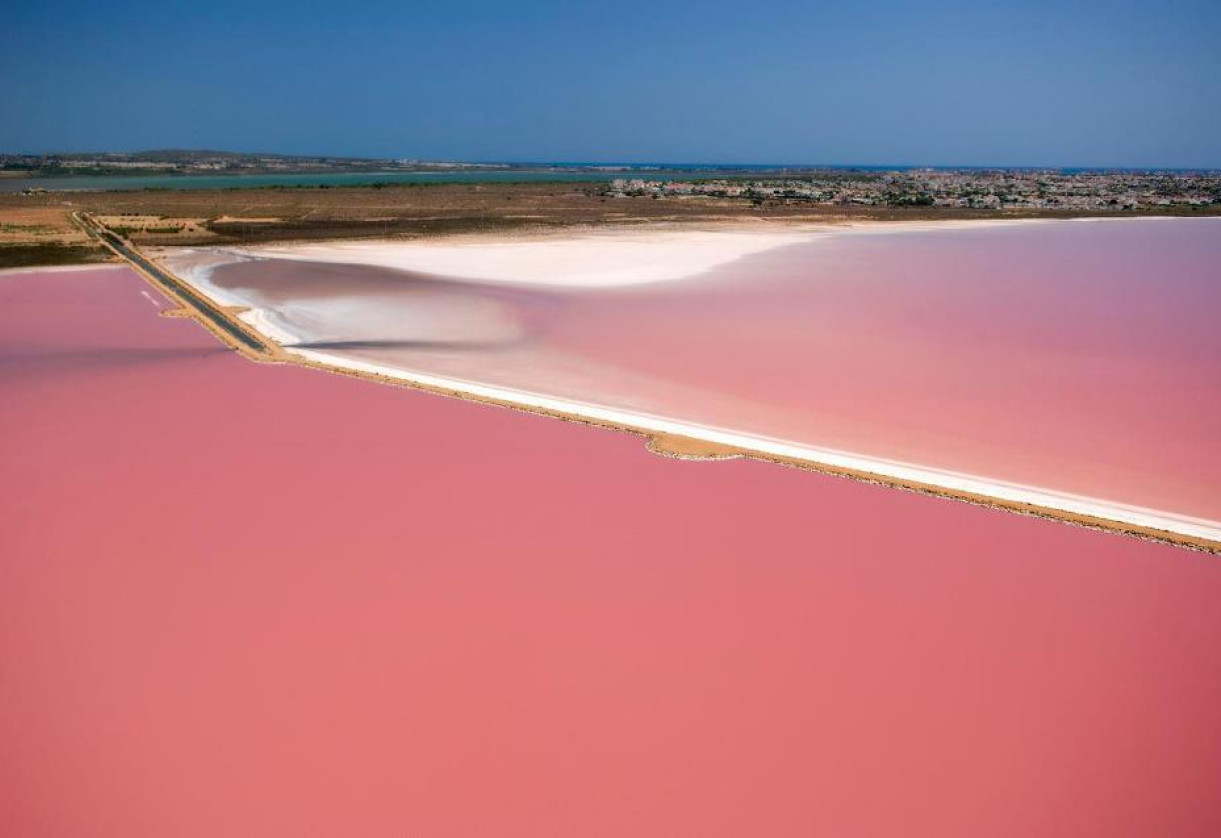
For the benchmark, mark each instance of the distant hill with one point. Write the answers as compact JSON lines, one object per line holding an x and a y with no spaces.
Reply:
{"x":188,"y":156}
{"x":207,"y":161}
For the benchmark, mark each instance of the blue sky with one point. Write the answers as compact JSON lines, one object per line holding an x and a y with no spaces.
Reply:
{"x":1020,"y":83}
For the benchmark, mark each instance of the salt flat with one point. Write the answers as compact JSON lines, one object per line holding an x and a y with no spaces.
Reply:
{"x":592,"y":260}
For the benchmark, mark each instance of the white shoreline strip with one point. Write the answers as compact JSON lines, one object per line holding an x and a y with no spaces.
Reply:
{"x":886,"y":469}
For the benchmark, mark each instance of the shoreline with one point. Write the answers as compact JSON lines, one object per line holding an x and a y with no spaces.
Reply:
{"x":711,"y":442}
{"x":79,"y":266}
{"x":891,"y":472}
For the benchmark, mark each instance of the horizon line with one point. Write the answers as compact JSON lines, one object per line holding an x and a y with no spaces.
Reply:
{"x":659,"y":164}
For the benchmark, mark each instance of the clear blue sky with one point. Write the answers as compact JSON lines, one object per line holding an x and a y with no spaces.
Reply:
{"x":1121,"y":83}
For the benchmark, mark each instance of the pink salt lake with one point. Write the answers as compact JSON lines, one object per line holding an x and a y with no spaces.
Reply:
{"x":1083,"y":357}
{"x":249,"y":599}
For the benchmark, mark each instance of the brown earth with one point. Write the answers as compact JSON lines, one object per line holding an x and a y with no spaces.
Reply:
{"x":29,"y":223}
{"x":251,"y":216}
{"x":34,"y":234}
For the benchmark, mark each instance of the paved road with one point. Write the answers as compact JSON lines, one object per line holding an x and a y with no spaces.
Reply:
{"x":203,"y":306}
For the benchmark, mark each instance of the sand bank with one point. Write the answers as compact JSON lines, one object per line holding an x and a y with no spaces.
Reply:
{"x":887,"y":471}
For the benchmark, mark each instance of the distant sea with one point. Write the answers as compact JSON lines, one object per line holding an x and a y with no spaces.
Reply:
{"x":562,"y":172}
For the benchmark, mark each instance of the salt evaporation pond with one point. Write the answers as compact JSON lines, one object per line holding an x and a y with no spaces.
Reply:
{"x":1082,"y":357}
{"x":253,"y":599}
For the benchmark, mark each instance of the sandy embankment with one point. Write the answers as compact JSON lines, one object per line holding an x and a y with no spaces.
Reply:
{"x":885,"y":470}
{"x":609,"y":260}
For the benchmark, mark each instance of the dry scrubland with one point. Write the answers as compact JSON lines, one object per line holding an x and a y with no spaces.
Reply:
{"x":37,"y":229}
{"x":33,"y":233}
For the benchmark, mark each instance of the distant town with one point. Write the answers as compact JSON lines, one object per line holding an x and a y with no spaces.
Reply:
{"x":973,"y":189}
{"x":978,"y":189}
{"x":202,"y":198}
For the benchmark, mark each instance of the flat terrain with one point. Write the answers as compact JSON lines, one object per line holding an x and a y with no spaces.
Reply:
{"x":251,"y":216}
{"x":34,"y":233}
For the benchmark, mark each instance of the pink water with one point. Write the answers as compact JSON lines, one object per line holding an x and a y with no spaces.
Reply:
{"x":1079,"y":356}
{"x":242,"y":599}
